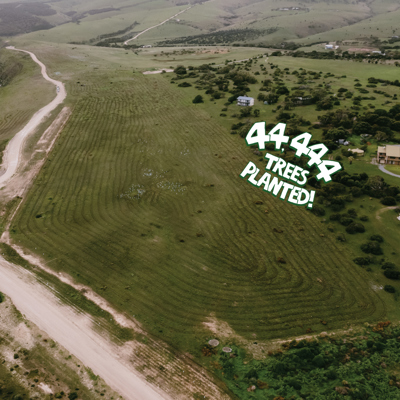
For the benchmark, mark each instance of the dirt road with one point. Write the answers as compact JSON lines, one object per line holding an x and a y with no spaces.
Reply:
{"x":155,"y":26}
{"x":40,"y":305}
{"x":73,"y":331}
{"x":12,"y":152}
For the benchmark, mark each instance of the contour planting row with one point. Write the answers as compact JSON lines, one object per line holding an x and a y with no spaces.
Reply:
{"x":182,"y":254}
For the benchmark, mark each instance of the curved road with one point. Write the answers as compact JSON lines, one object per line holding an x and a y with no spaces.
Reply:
{"x":12,"y":152}
{"x":383,"y":169}
{"x":155,"y":26}
{"x":71,"y":330}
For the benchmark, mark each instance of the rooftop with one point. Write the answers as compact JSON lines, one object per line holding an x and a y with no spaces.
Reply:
{"x":393,"y":150}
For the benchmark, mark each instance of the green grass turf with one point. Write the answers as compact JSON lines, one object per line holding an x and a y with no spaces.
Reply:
{"x":125,"y":201}
{"x":16,"y":106}
{"x":393,"y":168}
{"x":318,"y":20}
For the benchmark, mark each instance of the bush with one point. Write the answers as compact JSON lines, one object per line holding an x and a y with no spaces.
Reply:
{"x":372,"y":247}
{"x":364,"y":218}
{"x":362,"y":260}
{"x":185,"y":84}
{"x":318,"y":211}
{"x":352,"y":212}
{"x":335,"y":217}
{"x":319,"y":361}
{"x":341,"y":237}
{"x":345,"y":221}
{"x":180,"y":70}
{"x":73,"y":396}
{"x":198,"y":99}
{"x":388,"y":201}
{"x":355,"y":191}
{"x":392,"y":274}
{"x":377,"y":238}
{"x":355,"y":228}
{"x":389,"y":289}
{"x":388,"y":265}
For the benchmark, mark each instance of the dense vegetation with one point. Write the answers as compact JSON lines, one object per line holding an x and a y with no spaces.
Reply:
{"x":17,"y":18}
{"x":227,"y":37}
{"x":361,"y":366}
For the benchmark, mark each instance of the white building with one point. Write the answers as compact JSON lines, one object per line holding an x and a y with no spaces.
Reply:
{"x":245,"y":101}
{"x":329,"y":46}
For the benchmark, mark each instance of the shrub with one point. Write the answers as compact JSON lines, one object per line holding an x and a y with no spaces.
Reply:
{"x":185,"y":84}
{"x":352,"y":212}
{"x":389,"y":289}
{"x":362,"y":260}
{"x":319,"y":361}
{"x":355,"y":228}
{"x":355,"y":191}
{"x":346,"y":221}
{"x":318,"y":211}
{"x":73,"y":396}
{"x":341,"y":237}
{"x":372,"y":247}
{"x":180,"y":70}
{"x":198,"y":99}
{"x":364,"y":218}
{"x":377,"y":238}
{"x":388,"y":201}
{"x":392,"y":274}
{"x":335,"y":217}
{"x":388,"y":265}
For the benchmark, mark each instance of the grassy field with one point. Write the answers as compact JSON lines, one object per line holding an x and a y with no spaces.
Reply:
{"x":313,"y":21}
{"x":16,"y":107}
{"x":393,"y":168}
{"x":141,"y":199}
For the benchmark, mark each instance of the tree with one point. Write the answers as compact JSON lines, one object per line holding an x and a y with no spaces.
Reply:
{"x":389,"y":289}
{"x":180,"y":70}
{"x":336,"y":134}
{"x":355,"y":227}
{"x":198,"y":99}
{"x":245,"y":112}
{"x":388,"y":201}
{"x":381,"y":136}
{"x":392,"y":274}
{"x":372,"y":247}
{"x":256,"y":112}
{"x":362,"y":127}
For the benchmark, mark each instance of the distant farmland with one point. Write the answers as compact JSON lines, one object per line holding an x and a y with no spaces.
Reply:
{"x":141,"y":199}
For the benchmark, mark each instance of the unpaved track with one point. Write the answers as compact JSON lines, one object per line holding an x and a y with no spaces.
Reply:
{"x":155,"y":26}
{"x":73,"y":331}
{"x":40,"y":305}
{"x":12,"y":152}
